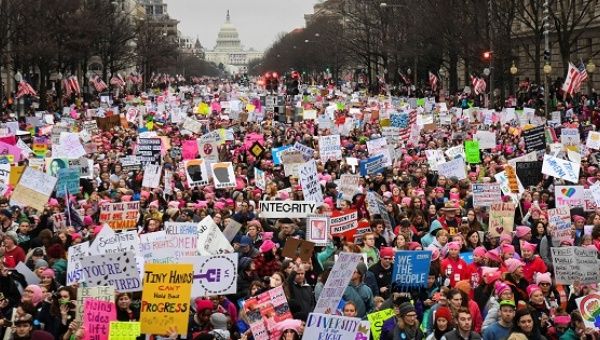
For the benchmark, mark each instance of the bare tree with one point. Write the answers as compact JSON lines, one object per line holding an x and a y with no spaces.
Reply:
{"x":155,"y":51}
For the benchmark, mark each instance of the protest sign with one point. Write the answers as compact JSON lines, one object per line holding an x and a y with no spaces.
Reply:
{"x":223,"y":175}
{"x":330,"y":148}
{"x":117,"y":270}
{"x":486,"y":139}
{"x":435,"y":157}
{"x":155,"y":248}
{"x":68,"y":182}
{"x":511,"y":176}
{"x":472,"y":151}
{"x":559,"y":223}
{"x":319,"y":326}
{"x":501,"y":220}
{"x":535,"y":138}
{"x":371,"y":165}
{"x":152,"y":173}
{"x":589,"y":308}
{"x":456,"y":152}
{"x":569,"y":136}
{"x":264,"y":311}
{"x":196,"y":172}
{"x":575,"y":264}
{"x":131,"y":163}
{"x":485,"y":194}
{"x":231,"y":229}
{"x":337,"y":282}
{"x":411,"y":268}
{"x":377,"y":319}
{"x":10,"y":150}
{"x":560,"y":168}
{"x":209,"y":151}
{"x":30,"y":277}
{"x":530,"y":157}
{"x":453,"y":168}
{"x":348,"y":186}
{"x":595,"y":193}
{"x":502,"y":179}
{"x":192,"y":125}
{"x":593,"y":140}
{"x":75,"y":254}
{"x":109,"y":242}
{"x":211,"y":240}
{"x":98,"y":315}
{"x":107,"y":123}
{"x":342,"y":222}
{"x":166,"y":298}
{"x":124,"y":330}
{"x":311,"y":188}
{"x":260,"y":179}
{"x":182,"y":236}
{"x":377,"y":147}
{"x":149,"y":150}
{"x":306,"y":151}
{"x":296,"y":248}
{"x":529,"y":173}
{"x":291,"y":209}
{"x":568,"y":196}
{"x":214,"y":274}
{"x":101,"y":293}
{"x":34,"y":189}
{"x":317,"y":229}
{"x":120,"y":216}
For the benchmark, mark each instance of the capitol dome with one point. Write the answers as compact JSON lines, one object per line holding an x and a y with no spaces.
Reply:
{"x":228,"y":38}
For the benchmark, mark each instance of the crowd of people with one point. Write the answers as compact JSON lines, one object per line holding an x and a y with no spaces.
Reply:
{"x":507,"y":291}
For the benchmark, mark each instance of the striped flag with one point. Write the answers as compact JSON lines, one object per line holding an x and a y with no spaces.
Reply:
{"x":583,"y":77}
{"x":433,"y":81}
{"x":478,"y":85}
{"x":25,"y":89}
{"x":571,"y":80}
{"x":404,"y":78}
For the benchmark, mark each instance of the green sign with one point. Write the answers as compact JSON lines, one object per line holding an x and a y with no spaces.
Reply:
{"x":377,"y":319}
{"x":472,"y":151}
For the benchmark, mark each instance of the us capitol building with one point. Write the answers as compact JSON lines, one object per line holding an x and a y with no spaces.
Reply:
{"x":229,"y":50}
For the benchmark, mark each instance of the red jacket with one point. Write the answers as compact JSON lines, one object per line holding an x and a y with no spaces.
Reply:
{"x":532,"y":266}
{"x":455,"y":270}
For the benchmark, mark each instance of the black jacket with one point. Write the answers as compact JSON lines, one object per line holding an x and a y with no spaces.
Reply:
{"x":302,"y":294}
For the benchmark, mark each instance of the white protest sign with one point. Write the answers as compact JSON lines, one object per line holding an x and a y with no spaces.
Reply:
{"x":348,"y":186}
{"x":196,"y":172}
{"x":569,"y":136}
{"x":573,"y":264}
{"x":593,"y":140}
{"x":338,"y":280}
{"x":530,"y":157}
{"x":155,"y":248}
{"x":214,"y":274}
{"x":192,"y":125}
{"x":183,"y":237}
{"x":211,"y":240}
{"x":453,"y":168}
{"x":30,"y":277}
{"x":595,"y":190}
{"x":311,"y":188}
{"x":291,"y":209}
{"x":502,"y":179}
{"x":487,"y":139}
{"x":456,"y":151}
{"x":75,"y":254}
{"x":330,"y":148}
{"x":318,"y":327}
{"x":152,"y":173}
{"x":560,"y":168}
{"x":568,"y":196}
{"x":231,"y":229}
{"x":260,"y":179}
{"x":117,"y":270}
{"x":379,"y":147}
{"x":435,"y":158}
{"x":223,"y":175}
{"x":34,"y":189}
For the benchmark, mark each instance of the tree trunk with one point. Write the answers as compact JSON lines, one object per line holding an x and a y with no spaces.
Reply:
{"x":537,"y":62}
{"x":453,"y":73}
{"x":43,"y":89}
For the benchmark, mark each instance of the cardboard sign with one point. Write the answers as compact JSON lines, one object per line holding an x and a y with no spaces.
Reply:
{"x":98,"y":315}
{"x":291,"y":209}
{"x":529,"y":173}
{"x":166,"y":298}
{"x":271,"y":305}
{"x":192,"y":125}
{"x":501,"y":220}
{"x":119,"y":271}
{"x":336,"y":283}
{"x":214,"y":274}
{"x":318,"y":326}
{"x":34,"y":189}
{"x":573,"y":264}
{"x":149,"y":150}
{"x":120,"y":216}
{"x":317,"y":229}
{"x":295,"y":248}
{"x":486,"y":194}
{"x":106,"y":124}
{"x":223,"y":175}
{"x":535,"y":138}
{"x":103,"y":293}
{"x":411,"y":268}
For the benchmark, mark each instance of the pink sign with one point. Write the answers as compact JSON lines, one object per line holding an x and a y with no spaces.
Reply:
{"x":7,"y":149}
{"x":190,"y":149}
{"x":97,"y":317}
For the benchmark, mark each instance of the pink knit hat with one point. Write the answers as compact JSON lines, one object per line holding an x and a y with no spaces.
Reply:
{"x":453,"y":245}
{"x":513,"y":264}
{"x":529,"y":246}
{"x":37,"y":294}
{"x":507,"y":248}
{"x":267,"y":246}
{"x":479,"y":251}
{"x":505,"y":238}
{"x":522,"y":231}
{"x":500,"y":287}
{"x":532,"y":289}
{"x":543,"y":277}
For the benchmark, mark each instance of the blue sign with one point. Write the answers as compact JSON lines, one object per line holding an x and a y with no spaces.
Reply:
{"x":411,"y":268}
{"x":275,"y":153}
{"x":467,"y":257}
{"x":68,"y":182}
{"x":371,"y":165}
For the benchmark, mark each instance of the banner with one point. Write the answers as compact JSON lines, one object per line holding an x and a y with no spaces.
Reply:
{"x":529,"y":173}
{"x":485,"y":194}
{"x":560,"y":168}
{"x":166,"y":298}
{"x":371,"y":165}
{"x":223,"y":175}
{"x":453,"y":168}
{"x":535,"y":139}
{"x":501,"y":220}
{"x":326,"y":326}
{"x":149,"y":150}
{"x":330,"y":148}
{"x":573,"y":264}
{"x":264,"y":311}
{"x":336,"y":283}
{"x":377,"y":319}
{"x":120,"y":216}
{"x":98,"y":315}
{"x":311,"y":188}
{"x":340,"y":223}
{"x":196,"y":172}
{"x":214,"y":274}
{"x":34,"y":189}
{"x":117,"y":270}
{"x":291,"y":209}
{"x":411,"y":268}
{"x":569,"y":196}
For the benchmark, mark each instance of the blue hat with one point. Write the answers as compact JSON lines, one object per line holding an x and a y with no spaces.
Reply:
{"x":245,"y":241}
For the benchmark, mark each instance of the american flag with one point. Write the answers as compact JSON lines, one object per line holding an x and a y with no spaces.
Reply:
{"x":25,"y":89}
{"x":433,"y":81}
{"x":478,"y":85}
{"x":404,"y":133}
{"x":74,"y":84}
{"x":117,"y":81}
{"x":572,"y":80}
{"x":98,"y":83}
{"x":583,"y":76}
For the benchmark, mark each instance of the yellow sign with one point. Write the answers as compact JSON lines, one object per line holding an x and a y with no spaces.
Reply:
{"x":120,"y":330}
{"x":166,"y":298}
{"x":15,"y":174}
{"x":377,"y":319}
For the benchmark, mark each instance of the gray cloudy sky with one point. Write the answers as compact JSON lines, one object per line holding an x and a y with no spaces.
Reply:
{"x":258,"y":21}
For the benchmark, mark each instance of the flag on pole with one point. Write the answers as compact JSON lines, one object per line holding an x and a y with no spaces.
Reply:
{"x":571,"y":80}
{"x":404,"y":78}
{"x":433,"y":81}
{"x":25,"y":89}
{"x":583,"y":77}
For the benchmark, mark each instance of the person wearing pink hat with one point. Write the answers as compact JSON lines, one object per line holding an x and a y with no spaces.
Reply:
{"x":266,"y":262}
{"x":475,"y":267}
{"x":513,"y":276}
{"x":533,"y":263}
{"x":508,"y":251}
{"x":454,"y":268}
{"x":501,"y":292}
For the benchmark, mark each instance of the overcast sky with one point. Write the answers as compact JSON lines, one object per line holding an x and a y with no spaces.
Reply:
{"x":258,"y":21}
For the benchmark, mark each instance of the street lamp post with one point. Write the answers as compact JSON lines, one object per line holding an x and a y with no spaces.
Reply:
{"x":513,"y":72}
{"x":18,"y":79}
{"x":59,"y":78}
{"x":547,"y":71}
